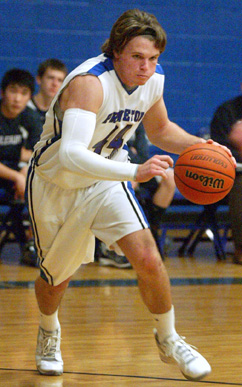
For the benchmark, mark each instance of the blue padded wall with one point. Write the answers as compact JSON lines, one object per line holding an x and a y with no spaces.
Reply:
{"x":202,"y":60}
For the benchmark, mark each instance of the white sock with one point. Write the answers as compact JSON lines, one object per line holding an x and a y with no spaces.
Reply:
{"x":49,"y":323}
{"x":165,"y":324}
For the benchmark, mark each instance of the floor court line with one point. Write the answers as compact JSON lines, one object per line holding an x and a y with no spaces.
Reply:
{"x":129,"y":282}
{"x":138,"y":377}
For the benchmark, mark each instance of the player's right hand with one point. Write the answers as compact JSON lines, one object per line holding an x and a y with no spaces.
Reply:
{"x":155,"y":166}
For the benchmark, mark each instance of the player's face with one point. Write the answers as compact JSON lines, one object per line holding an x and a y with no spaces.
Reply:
{"x":51,"y":81}
{"x":137,"y":62}
{"x":14,"y":100}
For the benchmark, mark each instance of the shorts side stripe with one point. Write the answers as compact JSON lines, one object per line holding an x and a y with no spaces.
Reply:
{"x":44,"y":272}
{"x":134,"y":203}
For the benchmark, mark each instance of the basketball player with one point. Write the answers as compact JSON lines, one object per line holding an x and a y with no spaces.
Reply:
{"x":77,"y":184}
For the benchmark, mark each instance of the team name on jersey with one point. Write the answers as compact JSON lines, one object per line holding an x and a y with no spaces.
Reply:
{"x":124,"y":115}
{"x":13,"y":139}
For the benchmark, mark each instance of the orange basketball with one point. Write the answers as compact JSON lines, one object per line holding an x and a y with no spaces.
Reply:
{"x":204,"y":173}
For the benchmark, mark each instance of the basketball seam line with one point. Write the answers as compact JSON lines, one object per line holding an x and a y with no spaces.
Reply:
{"x":208,"y":149}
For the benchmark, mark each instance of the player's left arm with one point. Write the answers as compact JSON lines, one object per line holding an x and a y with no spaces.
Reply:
{"x":166,"y":134}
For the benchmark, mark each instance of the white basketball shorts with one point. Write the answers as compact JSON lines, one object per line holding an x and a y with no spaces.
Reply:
{"x":65,"y":222}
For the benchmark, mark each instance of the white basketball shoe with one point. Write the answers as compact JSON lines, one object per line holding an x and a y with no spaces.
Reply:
{"x":48,"y":354}
{"x":175,"y":350}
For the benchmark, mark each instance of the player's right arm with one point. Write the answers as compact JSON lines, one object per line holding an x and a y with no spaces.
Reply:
{"x":83,"y":92}
{"x":81,"y":101}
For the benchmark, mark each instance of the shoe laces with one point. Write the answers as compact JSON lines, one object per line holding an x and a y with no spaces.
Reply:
{"x":182,"y":350}
{"x":50,"y":344}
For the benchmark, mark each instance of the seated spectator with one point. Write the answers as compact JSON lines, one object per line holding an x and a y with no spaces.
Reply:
{"x":17,"y":87}
{"x":235,"y":136}
{"x":50,"y":76}
{"x":226,"y":128}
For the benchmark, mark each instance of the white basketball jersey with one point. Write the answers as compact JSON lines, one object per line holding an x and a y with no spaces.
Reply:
{"x":116,"y":121}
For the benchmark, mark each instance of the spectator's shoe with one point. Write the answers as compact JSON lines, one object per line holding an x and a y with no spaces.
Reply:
{"x":29,"y":255}
{"x":107,"y":257}
{"x":48,"y":354}
{"x":176,"y":350}
{"x":115,"y":260}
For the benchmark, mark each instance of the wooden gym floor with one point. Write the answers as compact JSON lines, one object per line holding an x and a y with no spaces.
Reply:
{"x":107,"y":337}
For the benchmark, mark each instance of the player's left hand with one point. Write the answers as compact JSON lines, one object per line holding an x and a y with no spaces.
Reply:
{"x":210,"y":141}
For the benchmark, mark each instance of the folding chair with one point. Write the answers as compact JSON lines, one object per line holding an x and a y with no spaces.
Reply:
{"x":197,"y":219}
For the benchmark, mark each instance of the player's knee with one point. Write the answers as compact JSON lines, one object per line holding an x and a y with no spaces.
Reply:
{"x":149,"y":263}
